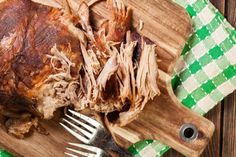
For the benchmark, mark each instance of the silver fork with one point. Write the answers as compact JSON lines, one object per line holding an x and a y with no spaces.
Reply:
{"x":85,"y":150}
{"x":89,"y":131}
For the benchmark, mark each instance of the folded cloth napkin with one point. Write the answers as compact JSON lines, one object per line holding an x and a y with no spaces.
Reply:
{"x":4,"y":153}
{"x":205,"y":72}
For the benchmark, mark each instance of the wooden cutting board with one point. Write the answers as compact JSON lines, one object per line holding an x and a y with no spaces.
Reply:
{"x":169,"y":26}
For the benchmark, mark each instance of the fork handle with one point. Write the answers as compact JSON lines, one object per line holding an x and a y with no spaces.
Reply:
{"x":107,"y":143}
{"x":111,"y":145}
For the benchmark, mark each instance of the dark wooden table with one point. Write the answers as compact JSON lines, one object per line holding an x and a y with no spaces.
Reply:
{"x":223,"y":143}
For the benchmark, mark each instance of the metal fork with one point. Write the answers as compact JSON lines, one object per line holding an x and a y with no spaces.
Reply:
{"x":85,"y":150}
{"x":89,"y":131}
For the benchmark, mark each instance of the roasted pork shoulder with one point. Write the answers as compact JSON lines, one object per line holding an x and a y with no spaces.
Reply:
{"x":52,"y":58}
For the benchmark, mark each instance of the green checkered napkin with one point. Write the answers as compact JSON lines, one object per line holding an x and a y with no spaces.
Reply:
{"x":3,"y":153}
{"x":205,"y":72}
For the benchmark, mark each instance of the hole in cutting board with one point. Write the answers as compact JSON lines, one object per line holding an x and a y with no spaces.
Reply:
{"x":188,"y":132}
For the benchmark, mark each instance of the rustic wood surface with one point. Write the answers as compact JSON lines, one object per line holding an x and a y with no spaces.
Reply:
{"x":223,"y":143}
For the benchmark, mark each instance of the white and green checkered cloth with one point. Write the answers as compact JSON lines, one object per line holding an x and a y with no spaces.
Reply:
{"x":206,"y":70}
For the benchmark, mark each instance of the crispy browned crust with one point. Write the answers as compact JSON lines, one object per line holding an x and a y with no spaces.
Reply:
{"x":24,"y":66}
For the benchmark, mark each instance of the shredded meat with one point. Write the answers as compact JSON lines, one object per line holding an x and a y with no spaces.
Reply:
{"x":29,"y":34}
{"x":109,"y":69}
{"x":52,"y":58}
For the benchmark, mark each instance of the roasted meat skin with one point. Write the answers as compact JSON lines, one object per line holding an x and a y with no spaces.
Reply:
{"x":28,"y":32}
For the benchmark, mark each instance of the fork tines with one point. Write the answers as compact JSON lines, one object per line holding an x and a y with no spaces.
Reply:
{"x":84,"y":150}
{"x":83,"y":128}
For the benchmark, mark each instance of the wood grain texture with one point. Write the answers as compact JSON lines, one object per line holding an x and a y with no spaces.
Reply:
{"x":229,"y":127}
{"x":214,"y":147}
{"x":231,"y":11}
{"x":219,"y":4}
{"x":222,"y":144}
{"x":38,"y":145}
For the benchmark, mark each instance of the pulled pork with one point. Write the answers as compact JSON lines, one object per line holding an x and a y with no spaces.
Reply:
{"x":52,"y":58}
{"x":114,"y":81}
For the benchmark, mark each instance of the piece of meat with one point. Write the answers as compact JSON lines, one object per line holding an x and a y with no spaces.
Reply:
{"x":138,"y":73}
{"x":52,"y":58}
{"x":100,"y":58}
{"x":146,"y":78}
{"x":120,"y":20}
{"x":21,"y":127}
{"x":126,"y":72}
{"x":108,"y":70}
{"x":29,"y":34}
{"x":118,"y":77}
